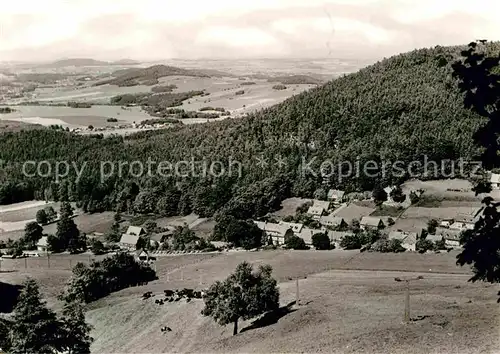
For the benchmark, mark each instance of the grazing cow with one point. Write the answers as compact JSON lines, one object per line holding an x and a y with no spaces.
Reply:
{"x":188,"y":299}
{"x":166,"y":329}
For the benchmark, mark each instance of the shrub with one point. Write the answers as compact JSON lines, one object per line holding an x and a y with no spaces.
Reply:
{"x":241,"y":92}
{"x":296,"y":243}
{"x":111,"y":120}
{"x":321,"y":241}
{"x":279,"y":87}
{"x":424,"y":245}
{"x":387,"y":246}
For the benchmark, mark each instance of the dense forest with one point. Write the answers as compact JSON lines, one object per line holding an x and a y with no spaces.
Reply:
{"x":402,"y":108}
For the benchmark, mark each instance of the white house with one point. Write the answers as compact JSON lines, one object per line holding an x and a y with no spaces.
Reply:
{"x":337,"y":236}
{"x":276,"y":231}
{"x":495,"y":181}
{"x":315,"y":212}
{"x":42,"y":245}
{"x":332,"y":220}
{"x":336,"y":195}
{"x":408,"y":239}
{"x":461,"y":226}
{"x":451,"y":237}
{"x":446,"y":222}
{"x":325,"y":205}
{"x":296,"y":227}
{"x":135,"y":230}
{"x":371,"y":222}
{"x":128,"y":241}
{"x":389,"y":190}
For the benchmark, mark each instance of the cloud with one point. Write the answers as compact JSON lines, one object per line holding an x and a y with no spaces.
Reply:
{"x":154,"y":29}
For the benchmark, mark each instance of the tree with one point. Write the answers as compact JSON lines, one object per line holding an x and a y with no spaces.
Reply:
{"x":32,"y":233}
{"x":97,"y":247}
{"x":379,"y":195}
{"x":321,"y":241}
{"x":390,"y":221}
{"x":243,"y":295}
{"x":35,"y":328}
{"x":50,"y":213}
{"x":150,"y":226}
{"x":66,"y":210}
{"x":68,"y":234}
{"x":241,"y":233}
{"x":431,"y":226}
{"x":480,"y":81}
{"x":41,"y":217}
{"x":75,"y":331}
{"x":296,"y":243}
{"x":397,"y":195}
{"x":351,"y":242}
{"x":424,"y":245}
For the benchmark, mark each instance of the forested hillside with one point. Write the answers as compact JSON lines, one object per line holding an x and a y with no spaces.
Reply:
{"x":402,"y":108}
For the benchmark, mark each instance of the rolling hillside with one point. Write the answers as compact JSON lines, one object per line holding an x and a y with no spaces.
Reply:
{"x":402,"y":108}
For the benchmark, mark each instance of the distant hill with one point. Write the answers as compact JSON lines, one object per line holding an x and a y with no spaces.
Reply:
{"x":296,"y":80}
{"x":125,"y":62}
{"x":79,"y":62}
{"x":148,"y":76}
{"x":74,"y":62}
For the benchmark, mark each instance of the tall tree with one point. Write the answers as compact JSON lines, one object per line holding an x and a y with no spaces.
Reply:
{"x":32,"y":233}
{"x":480,"y":81}
{"x":76,"y":332}
{"x":35,"y":328}
{"x":243,"y":295}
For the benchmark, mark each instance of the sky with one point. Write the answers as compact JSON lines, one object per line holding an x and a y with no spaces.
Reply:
{"x":40,"y":30}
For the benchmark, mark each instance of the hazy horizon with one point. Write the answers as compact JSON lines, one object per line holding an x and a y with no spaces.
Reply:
{"x":160,"y":30}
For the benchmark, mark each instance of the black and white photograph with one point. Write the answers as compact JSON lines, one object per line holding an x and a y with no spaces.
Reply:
{"x":252,"y":177}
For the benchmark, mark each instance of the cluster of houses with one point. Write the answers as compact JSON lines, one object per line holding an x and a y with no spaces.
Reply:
{"x":449,"y":229}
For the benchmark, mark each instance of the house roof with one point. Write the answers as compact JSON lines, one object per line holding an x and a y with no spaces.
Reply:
{"x":42,"y":242}
{"x":370,"y":221}
{"x":336,"y":236}
{"x":135,"y":230}
{"x":272,"y":227}
{"x":457,"y":225}
{"x":128,"y":239}
{"x":306,"y":234}
{"x":315,"y":210}
{"x":495,"y":178}
{"x":141,"y":252}
{"x":434,"y":238}
{"x":335,"y":194}
{"x":331,"y":220}
{"x":296,"y":227}
{"x":405,"y":237}
{"x":448,"y":234}
{"x":321,"y":204}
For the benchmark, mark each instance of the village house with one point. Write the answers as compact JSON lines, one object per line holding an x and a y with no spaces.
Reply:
{"x":306,"y":234}
{"x":434,"y":238}
{"x":42,"y":245}
{"x":408,"y":239}
{"x":451,"y":237}
{"x":371,"y":222}
{"x":325,"y":205}
{"x":335,"y":195}
{"x":461,"y":226}
{"x":275,"y":231}
{"x":337,"y":236}
{"x":296,"y":227}
{"x":128,"y":241}
{"x":446,"y":222}
{"x":315,"y":212}
{"x":135,"y":230}
{"x":143,"y":256}
{"x":389,"y":190}
{"x":333,"y":221}
{"x":495,"y":181}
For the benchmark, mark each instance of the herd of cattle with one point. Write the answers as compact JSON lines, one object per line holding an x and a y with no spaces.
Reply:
{"x":175,"y":295}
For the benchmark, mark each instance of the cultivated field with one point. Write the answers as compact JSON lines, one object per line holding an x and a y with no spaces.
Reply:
{"x":349,"y":303}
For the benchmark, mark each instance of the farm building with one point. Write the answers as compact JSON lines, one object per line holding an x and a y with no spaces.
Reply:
{"x":408,"y":239}
{"x":336,"y":195}
{"x":275,"y":231}
{"x":135,"y":230}
{"x":143,"y":256}
{"x":325,"y":205}
{"x":306,"y":234}
{"x":451,"y":237}
{"x":296,"y":227}
{"x":128,"y":241}
{"x":446,"y":223}
{"x":42,"y":244}
{"x":461,"y":226}
{"x":495,"y":181}
{"x":434,"y":238}
{"x":334,"y":221}
{"x":337,"y":236}
{"x":371,"y":222}
{"x":315,"y":212}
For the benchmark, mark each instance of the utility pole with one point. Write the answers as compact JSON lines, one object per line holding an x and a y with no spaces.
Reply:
{"x":407,"y":317}
{"x":297,"y":298}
